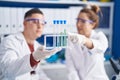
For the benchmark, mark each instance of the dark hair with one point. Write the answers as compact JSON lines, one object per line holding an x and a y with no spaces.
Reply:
{"x":92,"y":13}
{"x":32,"y":11}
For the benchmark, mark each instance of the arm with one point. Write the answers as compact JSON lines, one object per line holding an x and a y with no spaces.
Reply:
{"x":72,"y":73}
{"x":96,"y":45}
{"x":89,"y":43}
{"x":100,"y":43}
{"x":11,"y":64}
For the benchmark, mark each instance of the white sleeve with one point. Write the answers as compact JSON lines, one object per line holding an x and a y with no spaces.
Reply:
{"x":10,"y":63}
{"x":100,"y":43}
{"x":72,"y":73}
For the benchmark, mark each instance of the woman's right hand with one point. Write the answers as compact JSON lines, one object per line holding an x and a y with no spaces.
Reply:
{"x":76,"y":38}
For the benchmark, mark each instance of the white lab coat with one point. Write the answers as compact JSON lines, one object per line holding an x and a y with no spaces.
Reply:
{"x":87,"y":64}
{"x":15,"y":59}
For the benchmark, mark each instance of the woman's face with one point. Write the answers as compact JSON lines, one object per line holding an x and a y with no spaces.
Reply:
{"x":84,"y":24}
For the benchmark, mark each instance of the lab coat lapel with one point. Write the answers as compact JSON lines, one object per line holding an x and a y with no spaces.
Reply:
{"x":24,"y":44}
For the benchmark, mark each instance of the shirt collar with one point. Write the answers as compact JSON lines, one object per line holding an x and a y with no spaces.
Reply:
{"x":92,"y":34}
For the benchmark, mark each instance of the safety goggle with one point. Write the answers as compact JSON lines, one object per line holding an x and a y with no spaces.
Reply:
{"x":36,"y":20}
{"x":84,"y":21}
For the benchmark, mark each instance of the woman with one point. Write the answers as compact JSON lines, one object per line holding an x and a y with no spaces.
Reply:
{"x":85,"y":55}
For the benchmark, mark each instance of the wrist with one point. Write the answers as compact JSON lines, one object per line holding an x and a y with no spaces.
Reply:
{"x":35,"y":56}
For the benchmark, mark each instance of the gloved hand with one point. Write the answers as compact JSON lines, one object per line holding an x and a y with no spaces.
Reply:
{"x":76,"y":38}
{"x":42,"y":53}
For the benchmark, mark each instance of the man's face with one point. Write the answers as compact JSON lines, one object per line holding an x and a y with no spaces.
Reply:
{"x":34,"y":25}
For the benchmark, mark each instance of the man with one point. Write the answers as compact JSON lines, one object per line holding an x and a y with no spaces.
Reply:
{"x":20,"y":54}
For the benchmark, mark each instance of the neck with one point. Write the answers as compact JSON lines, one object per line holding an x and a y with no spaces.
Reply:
{"x":28,"y":38}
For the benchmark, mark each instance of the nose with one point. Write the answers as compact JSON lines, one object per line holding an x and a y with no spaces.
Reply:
{"x":40,"y":26}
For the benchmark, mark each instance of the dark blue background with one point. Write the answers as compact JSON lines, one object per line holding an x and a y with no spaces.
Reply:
{"x":116,"y":31}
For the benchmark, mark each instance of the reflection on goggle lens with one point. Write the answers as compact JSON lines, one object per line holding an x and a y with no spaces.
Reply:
{"x":36,"y":21}
{"x":83,"y":20}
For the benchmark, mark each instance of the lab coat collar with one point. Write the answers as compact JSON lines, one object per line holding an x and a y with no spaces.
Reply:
{"x":20,"y":36}
{"x":92,"y":34}
{"x":22,"y":40}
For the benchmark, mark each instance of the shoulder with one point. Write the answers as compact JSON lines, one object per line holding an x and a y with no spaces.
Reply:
{"x":14,"y":36}
{"x":8,"y":38}
{"x":11,"y":39}
{"x":98,"y":34}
